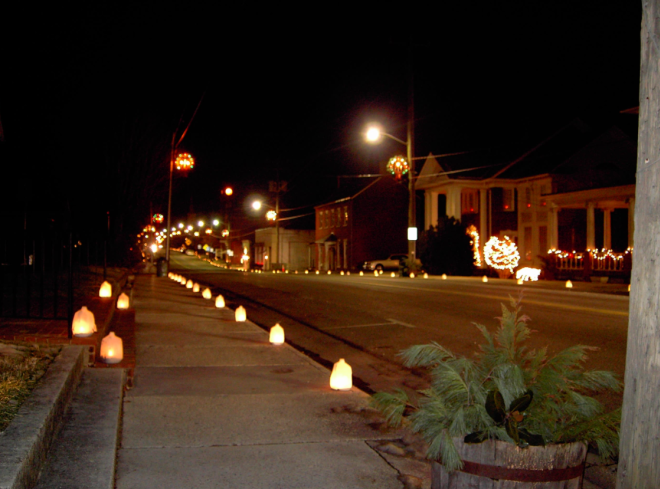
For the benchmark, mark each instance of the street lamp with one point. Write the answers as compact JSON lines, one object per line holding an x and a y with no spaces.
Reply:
{"x":272,"y":215}
{"x":375,"y":134}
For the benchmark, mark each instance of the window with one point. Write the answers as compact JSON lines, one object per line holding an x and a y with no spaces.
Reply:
{"x":528,"y":197}
{"x":345,"y":215}
{"x":469,"y":201}
{"x":508,"y":200}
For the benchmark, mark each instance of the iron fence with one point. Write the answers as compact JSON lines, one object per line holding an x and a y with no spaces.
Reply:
{"x":38,"y":273}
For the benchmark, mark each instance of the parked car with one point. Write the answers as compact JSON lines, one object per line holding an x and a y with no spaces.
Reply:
{"x":392,"y":262}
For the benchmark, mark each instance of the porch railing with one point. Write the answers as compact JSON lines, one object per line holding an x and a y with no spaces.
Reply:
{"x":604,"y":263}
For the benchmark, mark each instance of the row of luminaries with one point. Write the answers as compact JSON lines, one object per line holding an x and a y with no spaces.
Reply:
{"x":341,"y":377}
{"x":84,"y":325}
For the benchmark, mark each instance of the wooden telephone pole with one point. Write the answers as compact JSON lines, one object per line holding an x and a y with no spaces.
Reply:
{"x":639,"y":459}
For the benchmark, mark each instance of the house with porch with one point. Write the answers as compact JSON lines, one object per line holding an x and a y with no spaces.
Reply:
{"x":572,"y":193}
{"x":365,"y":220}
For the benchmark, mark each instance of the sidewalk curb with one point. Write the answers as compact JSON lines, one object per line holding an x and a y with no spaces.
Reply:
{"x":24,"y":445}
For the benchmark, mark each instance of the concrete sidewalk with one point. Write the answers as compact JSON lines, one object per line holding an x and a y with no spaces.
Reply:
{"x":215,"y":405}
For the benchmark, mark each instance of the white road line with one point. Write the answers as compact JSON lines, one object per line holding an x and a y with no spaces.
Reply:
{"x":407,"y":325}
{"x":390,"y":323}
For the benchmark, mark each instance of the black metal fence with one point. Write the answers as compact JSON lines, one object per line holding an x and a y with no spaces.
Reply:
{"x":38,"y":273}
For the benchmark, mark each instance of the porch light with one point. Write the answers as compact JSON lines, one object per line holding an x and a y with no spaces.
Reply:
{"x":277,"y":334}
{"x":189,"y":284}
{"x":83,"y":324}
{"x":484,"y":279}
{"x":306,"y":272}
{"x":412,"y":274}
{"x":341,"y":378}
{"x":569,"y":284}
{"x":241,"y":315}
{"x":112,"y":349}
{"x":220,"y":302}
{"x":361,"y":273}
{"x":341,"y":273}
{"x":317,"y":272}
{"x":426,"y":275}
{"x":329,"y":272}
{"x":105,"y":290}
{"x":443,"y":276}
{"x":393,"y":275}
{"x":207,"y":293}
{"x":123,"y":301}
{"x":195,"y":287}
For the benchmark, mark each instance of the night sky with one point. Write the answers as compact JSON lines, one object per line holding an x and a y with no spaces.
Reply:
{"x":90,"y":97}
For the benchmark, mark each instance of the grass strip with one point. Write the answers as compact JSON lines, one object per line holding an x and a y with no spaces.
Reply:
{"x":21,"y":367}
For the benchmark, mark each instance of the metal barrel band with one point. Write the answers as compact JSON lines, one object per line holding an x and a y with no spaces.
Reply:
{"x":522,"y":475}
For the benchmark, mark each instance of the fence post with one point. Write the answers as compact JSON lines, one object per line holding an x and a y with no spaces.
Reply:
{"x":69,"y":314}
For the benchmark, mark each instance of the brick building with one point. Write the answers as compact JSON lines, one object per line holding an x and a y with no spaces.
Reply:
{"x":365,"y":221}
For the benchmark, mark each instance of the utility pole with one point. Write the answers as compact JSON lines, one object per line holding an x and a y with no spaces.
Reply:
{"x":410,"y":150}
{"x":277,"y":186}
{"x":640,"y":429}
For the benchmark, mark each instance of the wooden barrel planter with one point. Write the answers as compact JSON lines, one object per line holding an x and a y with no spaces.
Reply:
{"x":500,"y":465}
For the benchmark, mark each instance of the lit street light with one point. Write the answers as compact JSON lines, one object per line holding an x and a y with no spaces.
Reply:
{"x":374,"y":135}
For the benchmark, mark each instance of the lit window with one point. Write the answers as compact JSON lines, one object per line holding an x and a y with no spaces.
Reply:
{"x":508,"y":200}
{"x":345,"y":216}
{"x":469,"y":201}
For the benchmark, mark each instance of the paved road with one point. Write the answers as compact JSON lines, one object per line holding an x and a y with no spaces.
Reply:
{"x":381,"y":316}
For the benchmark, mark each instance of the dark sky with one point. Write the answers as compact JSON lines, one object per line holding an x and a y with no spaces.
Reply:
{"x":289,"y":89}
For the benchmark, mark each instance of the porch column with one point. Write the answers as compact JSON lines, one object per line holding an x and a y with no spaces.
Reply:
{"x":483,"y":222}
{"x":553,"y":227}
{"x":591,"y":226}
{"x":631,"y":222}
{"x":345,"y":254}
{"x":607,"y":229}
{"x":453,"y":202}
{"x":430,"y":209}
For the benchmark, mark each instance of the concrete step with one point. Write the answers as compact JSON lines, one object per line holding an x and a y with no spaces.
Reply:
{"x":25,"y":444}
{"x":84,"y":452}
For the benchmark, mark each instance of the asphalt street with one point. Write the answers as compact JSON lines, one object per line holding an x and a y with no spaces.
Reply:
{"x":372,"y":319}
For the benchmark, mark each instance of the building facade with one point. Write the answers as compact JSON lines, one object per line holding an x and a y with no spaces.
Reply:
{"x":366,"y":221}
{"x":571,"y":193}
